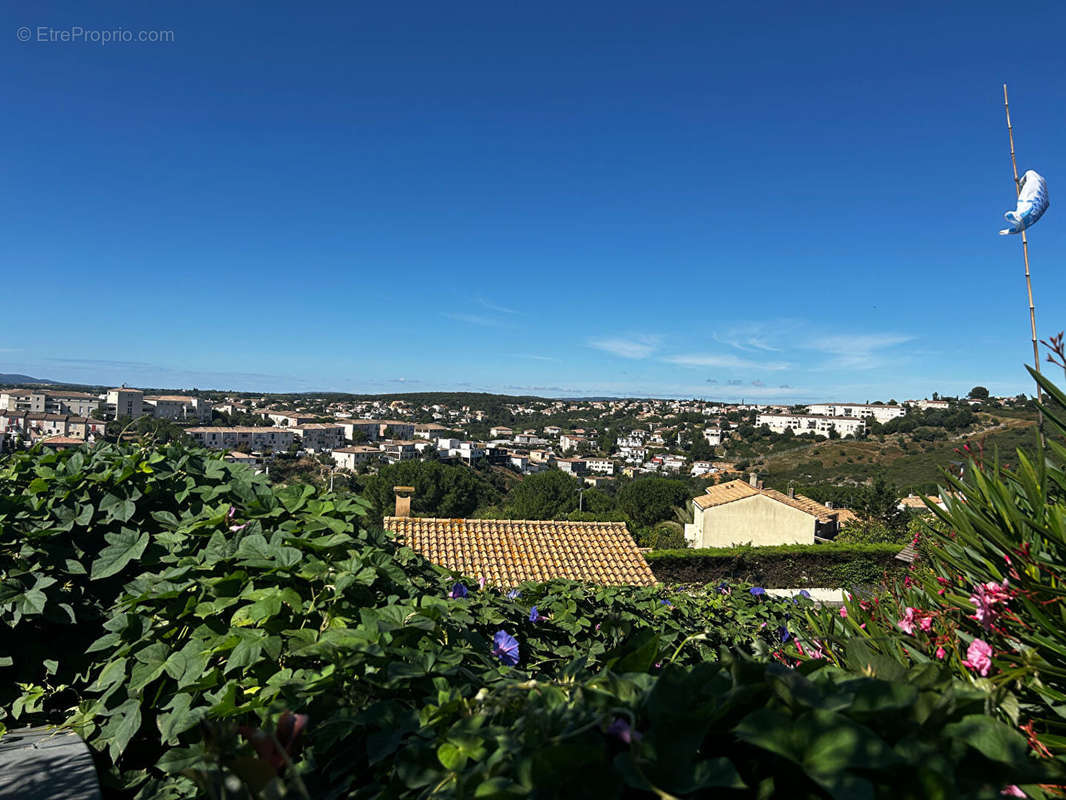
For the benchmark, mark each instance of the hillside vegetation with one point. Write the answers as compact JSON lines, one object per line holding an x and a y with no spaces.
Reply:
{"x":908,"y":464}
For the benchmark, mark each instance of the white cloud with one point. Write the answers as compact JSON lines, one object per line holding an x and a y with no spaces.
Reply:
{"x":475,"y":319}
{"x":627,"y":347}
{"x":859,"y":350}
{"x":722,"y":361}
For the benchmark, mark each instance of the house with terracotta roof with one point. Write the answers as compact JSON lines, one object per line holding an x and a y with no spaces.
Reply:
{"x":738,"y":513}
{"x":509,"y":552}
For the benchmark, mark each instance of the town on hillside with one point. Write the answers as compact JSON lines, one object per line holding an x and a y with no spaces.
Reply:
{"x":798,"y":467}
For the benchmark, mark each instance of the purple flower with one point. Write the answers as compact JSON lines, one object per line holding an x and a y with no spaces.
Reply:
{"x":757,"y":591}
{"x":666,"y":603}
{"x":534,"y":615}
{"x":232,"y":511}
{"x":623,"y":731}
{"x":505,"y":648}
{"x":805,"y":593}
{"x":458,"y":591}
{"x":783,"y":635}
{"x":481,"y":582}
{"x":514,"y":594}
{"x":723,"y":588}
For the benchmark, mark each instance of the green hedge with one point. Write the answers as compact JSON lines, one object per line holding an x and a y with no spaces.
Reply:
{"x":779,"y":567}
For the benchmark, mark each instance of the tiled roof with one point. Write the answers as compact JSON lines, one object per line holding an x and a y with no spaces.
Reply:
{"x":507,"y":551}
{"x":722,"y":493}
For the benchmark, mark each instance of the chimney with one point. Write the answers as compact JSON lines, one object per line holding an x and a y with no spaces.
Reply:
{"x":753,"y":480}
{"x":828,"y":503}
{"x":791,"y":491}
{"x":403,"y":500}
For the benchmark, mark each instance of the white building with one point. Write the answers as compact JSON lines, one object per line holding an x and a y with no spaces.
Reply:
{"x":319,"y":436}
{"x":369,"y":428}
{"x":571,"y":466}
{"x":713,"y":436}
{"x":177,"y":406}
{"x":124,"y":402}
{"x":569,"y":442}
{"x":819,"y":425}
{"x":47,"y":401}
{"x":880,"y":413}
{"x":253,"y":439}
{"x":600,"y":466}
{"x":352,"y":457}
{"x":398,"y":450}
{"x":940,"y":405}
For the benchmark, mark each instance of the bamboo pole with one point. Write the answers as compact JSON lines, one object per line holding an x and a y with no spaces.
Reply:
{"x":1025,"y":253}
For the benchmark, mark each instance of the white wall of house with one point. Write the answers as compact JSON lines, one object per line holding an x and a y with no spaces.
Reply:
{"x":758,"y":520}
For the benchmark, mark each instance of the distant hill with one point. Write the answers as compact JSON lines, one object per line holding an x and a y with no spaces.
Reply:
{"x":7,"y":379}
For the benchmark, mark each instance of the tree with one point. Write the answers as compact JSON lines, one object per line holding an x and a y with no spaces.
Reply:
{"x":979,"y":393}
{"x":441,"y":490}
{"x":545,"y":495}
{"x":647,"y":501}
{"x":701,"y":450}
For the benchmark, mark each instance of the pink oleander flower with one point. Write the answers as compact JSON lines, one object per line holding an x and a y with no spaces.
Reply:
{"x":926,"y":624}
{"x":844,"y":612}
{"x":907,"y":623}
{"x":1012,"y":791}
{"x":908,"y":581}
{"x":979,"y":657}
{"x":985,"y":598}
{"x":941,"y":653}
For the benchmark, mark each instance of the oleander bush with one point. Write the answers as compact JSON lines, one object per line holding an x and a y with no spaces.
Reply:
{"x":987,"y":596}
{"x":780,"y":566}
{"x":213,"y":636}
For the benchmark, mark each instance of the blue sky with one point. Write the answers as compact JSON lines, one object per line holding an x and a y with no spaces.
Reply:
{"x":789,"y":201}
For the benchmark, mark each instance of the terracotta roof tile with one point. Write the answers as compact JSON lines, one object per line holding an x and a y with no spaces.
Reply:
{"x":721,"y":493}
{"x":507,"y":552}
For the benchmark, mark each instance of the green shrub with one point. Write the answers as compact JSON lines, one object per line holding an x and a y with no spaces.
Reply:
{"x":158,"y":599}
{"x":781,"y":566}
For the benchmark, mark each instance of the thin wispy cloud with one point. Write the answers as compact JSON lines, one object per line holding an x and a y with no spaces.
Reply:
{"x":474,"y":319}
{"x":488,"y":304}
{"x":859,"y":351}
{"x":754,"y":336}
{"x":723,"y":361}
{"x":533,"y":356}
{"x":640,"y":346}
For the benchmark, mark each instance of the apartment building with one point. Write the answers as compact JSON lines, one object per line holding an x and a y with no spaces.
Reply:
{"x":600,"y":466}
{"x":352,"y":457}
{"x":35,"y":425}
{"x":880,"y":413}
{"x":571,"y":466}
{"x":254,"y":439}
{"x":178,"y":407}
{"x":396,"y":429}
{"x":319,"y":436}
{"x":501,"y":432}
{"x":569,"y":442}
{"x":394,"y":450}
{"x":820,"y":425}
{"x":286,"y":419}
{"x":125,"y":402}
{"x":713,"y":436}
{"x":370,"y":429}
{"x":47,"y":401}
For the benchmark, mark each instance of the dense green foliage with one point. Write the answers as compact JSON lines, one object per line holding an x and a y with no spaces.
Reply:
{"x":782,"y":566}
{"x":441,"y":490}
{"x":176,"y":609}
